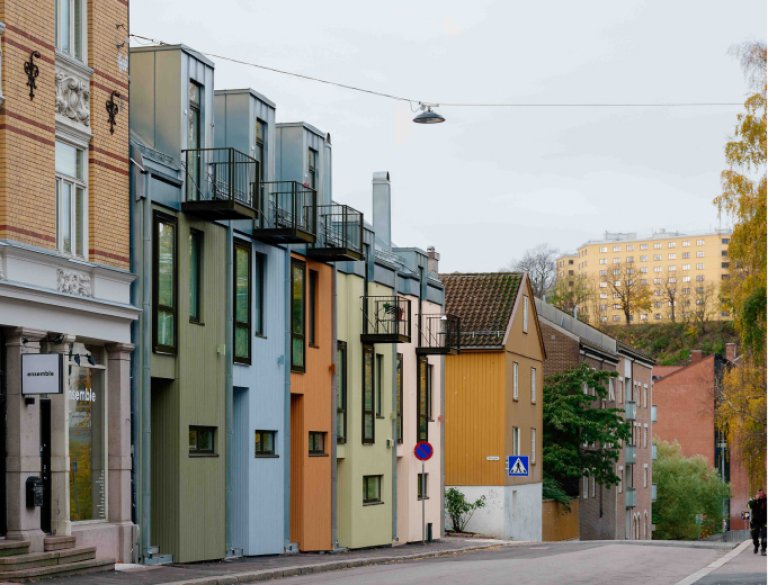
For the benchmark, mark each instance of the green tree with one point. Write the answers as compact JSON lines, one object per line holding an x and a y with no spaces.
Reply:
{"x":742,"y":403}
{"x":571,"y":294}
{"x":581,"y":437}
{"x":689,"y":503}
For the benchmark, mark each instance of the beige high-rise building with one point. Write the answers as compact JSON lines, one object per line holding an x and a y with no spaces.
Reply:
{"x":683,"y":272}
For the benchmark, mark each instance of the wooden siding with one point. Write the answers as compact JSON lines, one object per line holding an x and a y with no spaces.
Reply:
{"x":559,"y":523}
{"x":474,"y":418}
{"x":165,"y":465}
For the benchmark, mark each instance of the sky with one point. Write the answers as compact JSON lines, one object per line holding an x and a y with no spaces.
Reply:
{"x":491,"y":183}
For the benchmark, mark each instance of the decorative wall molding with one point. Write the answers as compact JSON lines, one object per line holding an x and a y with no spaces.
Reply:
{"x":2,"y":97}
{"x":73,"y":95}
{"x":72,"y":282}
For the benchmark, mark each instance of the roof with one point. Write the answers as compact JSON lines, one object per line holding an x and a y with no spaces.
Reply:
{"x":664,"y":371}
{"x":484,"y":301}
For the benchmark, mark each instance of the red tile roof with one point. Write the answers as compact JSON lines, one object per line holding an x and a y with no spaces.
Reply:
{"x":484,"y":302}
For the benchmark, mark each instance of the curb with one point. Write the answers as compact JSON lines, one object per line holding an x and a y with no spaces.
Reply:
{"x":269,"y":574}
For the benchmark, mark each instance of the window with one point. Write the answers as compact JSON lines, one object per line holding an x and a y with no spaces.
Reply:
{"x":630,"y":259}
{"x":379,"y":382}
{"x":657,"y":268}
{"x":644,"y":258}
{"x":643,"y":246}
{"x":700,"y":266}
{"x":71,"y":200}
{"x":194,"y":139}
{"x":369,"y":390}
{"x":242,"y":309}
{"x":700,"y":277}
{"x":645,"y":436}
{"x":195,"y":275}
{"x":515,"y":440}
{"x":515,"y":387}
{"x":686,"y":255}
{"x":260,"y":149}
{"x":584,"y":486}
{"x":700,"y":254}
{"x":611,"y":390}
{"x":671,"y":256}
{"x":657,"y":257}
{"x":316,"y":443}
{"x":630,"y":247}
{"x":421,"y":487}
{"x":399,"y":382}
{"x":422,"y":401}
{"x":725,"y":240}
{"x":616,"y":260}
{"x":264,"y":443}
{"x":259,"y":280}
{"x":71,"y":24}
{"x":725,"y":264}
{"x":686,"y":267}
{"x":671,"y":268}
{"x":372,"y":489}
{"x":202,"y":440}
{"x":724,"y":253}
{"x":603,"y":284}
{"x":312,"y":168}
{"x":603,"y":249}
{"x":671,"y":245}
{"x":164,"y":297}
{"x":533,"y":445}
{"x":313,"y":276}
{"x":533,"y":385}
{"x":341,"y":392}
{"x":603,"y":273}
{"x":616,"y":318}
{"x":620,"y":475}
{"x":603,"y":261}
{"x":686,"y":243}
{"x":645,"y":475}
{"x":592,"y":482}
{"x":297,"y":315}
{"x":525,"y":313}
{"x":643,"y":270}
{"x":699,"y":242}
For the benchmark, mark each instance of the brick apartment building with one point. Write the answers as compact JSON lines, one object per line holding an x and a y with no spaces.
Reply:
{"x":65,"y":281}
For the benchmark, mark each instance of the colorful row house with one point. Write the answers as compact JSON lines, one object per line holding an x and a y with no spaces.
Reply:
{"x":288,"y":356}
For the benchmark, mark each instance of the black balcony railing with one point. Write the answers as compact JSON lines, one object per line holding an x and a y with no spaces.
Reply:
{"x":339,"y":234}
{"x":439,"y":334}
{"x":221,"y":183}
{"x":286,"y":213}
{"x":386,"y":320}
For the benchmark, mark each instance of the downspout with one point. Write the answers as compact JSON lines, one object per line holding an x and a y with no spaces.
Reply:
{"x":228,"y":392}
{"x":393,"y":431}
{"x":334,"y":415}
{"x":145,"y":382}
{"x":287,"y":403}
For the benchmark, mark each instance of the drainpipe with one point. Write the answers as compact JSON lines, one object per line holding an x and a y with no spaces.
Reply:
{"x":334,"y":414}
{"x":228,"y":391}
{"x":145,"y":380}
{"x":393,"y":431}
{"x":287,"y":398}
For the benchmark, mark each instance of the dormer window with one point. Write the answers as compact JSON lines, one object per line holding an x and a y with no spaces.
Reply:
{"x":70,"y":28}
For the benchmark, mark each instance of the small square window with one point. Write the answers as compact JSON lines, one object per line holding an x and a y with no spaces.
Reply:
{"x":264,"y":442}
{"x":421,"y":487}
{"x":316,"y":443}
{"x":202,"y":440}
{"x":372,"y":489}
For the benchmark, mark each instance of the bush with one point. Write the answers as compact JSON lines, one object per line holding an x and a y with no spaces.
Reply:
{"x":459,"y":509}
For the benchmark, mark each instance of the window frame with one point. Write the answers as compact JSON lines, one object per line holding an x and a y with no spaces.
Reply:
{"x":422,"y":398}
{"x":313,"y":157}
{"x":240,"y":245}
{"x":369,"y":364}
{"x":312,"y":436}
{"x":378,"y":368}
{"x":422,"y":486}
{"x":157,"y":219}
{"x":314,"y":279}
{"x":400,"y":397}
{"x":377,"y":480}
{"x":265,"y":454}
{"x":73,"y":40}
{"x":515,"y":381}
{"x":196,"y":241}
{"x":525,"y":313}
{"x":515,"y":440}
{"x":533,"y":385}
{"x":341,"y":392}
{"x":198,"y":452}
{"x":296,"y":266}
{"x":533,"y":445}
{"x":259,"y":280}
{"x":78,"y":239}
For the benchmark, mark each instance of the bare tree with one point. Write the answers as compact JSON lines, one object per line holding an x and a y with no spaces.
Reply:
{"x":572,"y":295}
{"x":630,"y":292}
{"x":539,"y":263}
{"x":706,"y":304}
{"x":671,"y":292}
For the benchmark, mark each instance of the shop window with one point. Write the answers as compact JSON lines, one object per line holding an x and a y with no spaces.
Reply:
{"x":264,"y":443}
{"x":372,"y":489}
{"x":202,"y":440}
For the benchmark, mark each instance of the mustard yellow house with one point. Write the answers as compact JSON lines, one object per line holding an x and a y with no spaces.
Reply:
{"x":493,"y":402}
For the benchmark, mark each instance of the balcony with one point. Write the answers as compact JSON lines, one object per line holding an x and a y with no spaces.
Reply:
{"x":630,"y":454}
{"x":654,"y":453}
{"x":220,"y":183}
{"x":630,"y":498}
{"x":630,"y":410}
{"x":386,"y":320}
{"x":286,"y":213}
{"x":653,"y":413}
{"x":439,"y":335}
{"x":653,"y":492}
{"x":339,"y":234}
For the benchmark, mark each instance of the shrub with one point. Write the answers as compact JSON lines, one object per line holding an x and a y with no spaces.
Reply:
{"x":459,"y":509}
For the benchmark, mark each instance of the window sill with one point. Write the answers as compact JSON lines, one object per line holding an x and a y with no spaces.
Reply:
{"x":378,"y":503}
{"x":203,"y":455}
{"x":313,"y":346}
{"x":422,"y":499}
{"x":195,"y":322}
{"x":318,"y":455}
{"x":260,"y":335}
{"x":379,"y":417}
{"x":266,"y":456}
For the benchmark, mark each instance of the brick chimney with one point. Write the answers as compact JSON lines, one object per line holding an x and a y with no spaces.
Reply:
{"x":730,"y":351}
{"x":696,"y":355}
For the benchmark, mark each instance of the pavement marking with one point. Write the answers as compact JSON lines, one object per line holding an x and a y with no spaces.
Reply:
{"x":691,"y":579}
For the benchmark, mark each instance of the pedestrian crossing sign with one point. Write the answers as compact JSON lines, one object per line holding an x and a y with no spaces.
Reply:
{"x":517,"y":466}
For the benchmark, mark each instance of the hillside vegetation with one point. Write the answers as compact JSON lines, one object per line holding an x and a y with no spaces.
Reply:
{"x":671,"y":343}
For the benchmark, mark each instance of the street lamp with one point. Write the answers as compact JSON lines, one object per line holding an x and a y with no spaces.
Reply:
{"x":428,"y":115}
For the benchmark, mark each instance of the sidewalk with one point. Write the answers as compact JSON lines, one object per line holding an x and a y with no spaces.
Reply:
{"x":738,"y":567}
{"x":254,"y":569}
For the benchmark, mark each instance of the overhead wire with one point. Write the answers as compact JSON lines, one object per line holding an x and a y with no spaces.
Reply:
{"x":423,"y":103}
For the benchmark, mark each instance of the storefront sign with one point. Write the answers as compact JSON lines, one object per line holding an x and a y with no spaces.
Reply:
{"x":41,"y":373}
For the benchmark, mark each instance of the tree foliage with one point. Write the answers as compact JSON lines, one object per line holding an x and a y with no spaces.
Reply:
{"x":742,"y":408}
{"x":539,"y":263}
{"x":581,"y":437}
{"x":459,"y":510}
{"x":629,"y":291}
{"x":572,"y":295}
{"x":689,"y":503}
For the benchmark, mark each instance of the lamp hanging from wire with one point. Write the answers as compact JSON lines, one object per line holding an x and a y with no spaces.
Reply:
{"x":428,"y":115}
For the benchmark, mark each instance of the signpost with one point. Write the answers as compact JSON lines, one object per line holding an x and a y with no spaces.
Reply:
{"x":42,"y":373}
{"x":423,"y":452}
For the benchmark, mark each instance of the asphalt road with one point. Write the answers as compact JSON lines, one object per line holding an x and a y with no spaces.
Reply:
{"x":571,"y":563}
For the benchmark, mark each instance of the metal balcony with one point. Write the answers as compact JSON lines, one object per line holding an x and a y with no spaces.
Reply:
{"x":630,"y":410}
{"x":630,"y":498}
{"x":339,"y":234}
{"x":653,"y":492}
{"x":654,"y":453}
{"x":386,"y":320}
{"x":653,"y":413}
{"x":286,"y":213}
{"x":439,"y":335}
{"x":630,"y":454}
{"x":220,"y":183}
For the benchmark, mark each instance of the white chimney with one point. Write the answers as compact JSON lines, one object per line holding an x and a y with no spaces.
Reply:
{"x":382,"y":210}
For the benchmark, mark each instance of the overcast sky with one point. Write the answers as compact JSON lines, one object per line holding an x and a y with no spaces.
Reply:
{"x":490,"y":183}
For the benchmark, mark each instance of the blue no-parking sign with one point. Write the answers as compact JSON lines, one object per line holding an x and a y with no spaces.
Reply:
{"x":517,"y":466}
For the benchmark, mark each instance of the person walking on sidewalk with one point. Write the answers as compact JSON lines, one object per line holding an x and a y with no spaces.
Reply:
{"x":757,"y":519}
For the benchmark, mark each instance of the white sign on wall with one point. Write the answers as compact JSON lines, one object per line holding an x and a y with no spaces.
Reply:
{"x":42,"y":373}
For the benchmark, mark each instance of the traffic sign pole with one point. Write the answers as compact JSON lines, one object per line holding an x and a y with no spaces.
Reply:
{"x":423,"y":506}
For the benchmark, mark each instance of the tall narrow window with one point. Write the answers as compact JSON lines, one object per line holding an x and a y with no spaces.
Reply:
{"x":379,"y":383}
{"x":297,"y":315}
{"x":194,"y":140}
{"x":71,"y":202}
{"x":515,"y":378}
{"x":313,"y":276}
{"x":369,"y":415}
{"x":312,"y":168}
{"x":164,"y":294}
{"x":341,"y":392}
{"x":242,"y":301}
{"x":421,"y":486}
{"x":399,"y":381}
{"x":515,"y":440}
{"x":525,"y":314}
{"x":430,"y":390}
{"x":533,"y":445}
{"x":195,"y":275}
{"x":533,"y":385}
{"x":259,"y":280}
{"x":70,"y":28}
{"x":422,"y":401}
{"x":260,"y":150}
